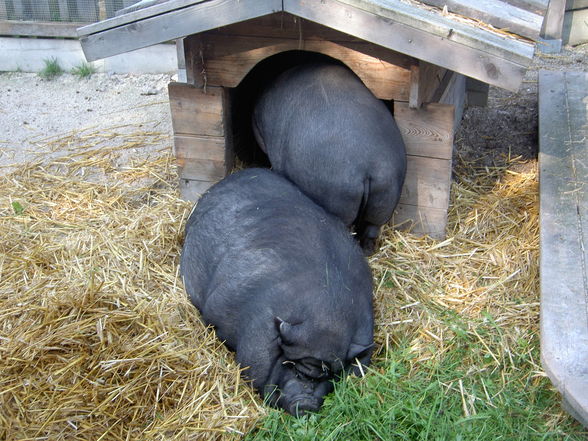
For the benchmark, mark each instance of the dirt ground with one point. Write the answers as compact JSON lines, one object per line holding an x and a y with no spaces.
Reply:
{"x":33,"y":109}
{"x":508,"y":126}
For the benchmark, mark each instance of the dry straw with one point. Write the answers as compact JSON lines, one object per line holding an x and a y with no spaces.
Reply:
{"x":98,"y":340}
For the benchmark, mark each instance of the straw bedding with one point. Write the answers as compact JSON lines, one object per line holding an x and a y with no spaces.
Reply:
{"x":98,"y":340}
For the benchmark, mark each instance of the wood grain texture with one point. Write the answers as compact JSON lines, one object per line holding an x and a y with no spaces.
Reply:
{"x":470,"y":51}
{"x":497,"y":13}
{"x":199,"y":147}
{"x":421,"y":221}
{"x":178,"y":23}
{"x":196,"y":111}
{"x":427,"y":131}
{"x":553,"y":22}
{"x":224,"y":60}
{"x":563,"y":162}
{"x":427,"y":182}
{"x":425,"y":78}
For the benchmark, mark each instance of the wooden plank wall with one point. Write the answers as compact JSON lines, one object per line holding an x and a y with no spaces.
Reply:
{"x":202,"y":136}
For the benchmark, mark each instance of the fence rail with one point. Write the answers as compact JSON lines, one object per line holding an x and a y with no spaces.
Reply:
{"x":86,"y":11}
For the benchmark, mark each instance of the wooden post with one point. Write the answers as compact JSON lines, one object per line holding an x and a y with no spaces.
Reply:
{"x":202,"y":136}
{"x":428,"y":135}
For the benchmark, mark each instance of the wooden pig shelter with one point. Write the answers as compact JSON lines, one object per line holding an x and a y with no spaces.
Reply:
{"x":414,"y":56}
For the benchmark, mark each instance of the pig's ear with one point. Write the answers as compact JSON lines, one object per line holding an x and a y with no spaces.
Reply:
{"x":358,"y":351}
{"x":285,"y":330}
{"x":359,"y":356}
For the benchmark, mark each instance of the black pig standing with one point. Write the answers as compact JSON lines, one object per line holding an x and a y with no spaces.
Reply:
{"x":326,"y":132}
{"x":283,"y":283}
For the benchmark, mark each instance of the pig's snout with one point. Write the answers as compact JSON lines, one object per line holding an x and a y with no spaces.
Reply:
{"x":301,"y":405}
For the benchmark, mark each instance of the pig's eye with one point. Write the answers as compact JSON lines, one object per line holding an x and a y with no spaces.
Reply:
{"x":310,"y":367}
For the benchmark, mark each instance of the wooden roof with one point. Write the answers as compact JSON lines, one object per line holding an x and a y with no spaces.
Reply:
{"x":462,"y":37}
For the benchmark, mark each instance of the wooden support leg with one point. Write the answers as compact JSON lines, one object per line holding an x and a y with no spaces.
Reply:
{"x":428,"y":134}
{"x":202,"y":136}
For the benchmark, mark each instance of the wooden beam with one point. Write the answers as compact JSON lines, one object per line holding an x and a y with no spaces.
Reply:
{"x":553,"y":23}
{"x":427,"y":131}
{"x":178,"y":23}
{"x":465,"y":49}
{"x":563,"y":162}
{"x":170,"y":5}
{"x":424,"y":80}
{"x":39,"y":29}
{"x":224,"y":60}
{"x":420,"y":220}
{"x":497,"y":13}
{"x":536,"y":6}
{"x":428,"y":135}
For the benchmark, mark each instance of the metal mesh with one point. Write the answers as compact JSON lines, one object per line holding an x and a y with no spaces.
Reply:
{"x":61,"y":10}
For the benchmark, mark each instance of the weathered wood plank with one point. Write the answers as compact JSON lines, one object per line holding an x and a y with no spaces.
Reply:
{"x":178,"y":23}
{"x":226,"y":59}
{"x":473,"y":52}
{"x":427,"y":182}
{"x":140,"y":14}
{"x":575,"y":27}
{"x":38,"y":29}
{"x":436,"y":24}
{"x":196,"y":111}
{"x":200,"y":147}
{"x":536,"y":6}
{"x":201,"y":169}
{"x":427,"y":131}
{"x":576,"y":4}
{"x":552,"y":25}
{"x":476,"y":93}
{"x":497,"y":13}
{"x":192,"y":189}
{"x":425,"y":78}
{"x":419,"y":220}
{"x":455,"y":96}
{"x":563,"y":158}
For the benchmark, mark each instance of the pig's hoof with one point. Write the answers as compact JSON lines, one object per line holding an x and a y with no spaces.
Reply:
{"x":299,"y":408}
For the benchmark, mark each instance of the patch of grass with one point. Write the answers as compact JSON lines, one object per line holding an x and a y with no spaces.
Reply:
{"x":442,"y":400}
{"x":51,"y":70}
{"x":83,"y":70}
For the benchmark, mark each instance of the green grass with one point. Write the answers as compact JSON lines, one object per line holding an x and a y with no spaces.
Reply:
{"x":445,"y":399}
{"x":83,"y":70}
{"x":51,"y":70}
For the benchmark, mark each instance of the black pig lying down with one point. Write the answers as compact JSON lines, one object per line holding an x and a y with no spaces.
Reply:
{"x":326,"y":132}
{"x":283,"y":283}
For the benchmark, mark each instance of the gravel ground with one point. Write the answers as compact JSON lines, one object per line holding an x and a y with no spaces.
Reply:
{"x":33,"y":109}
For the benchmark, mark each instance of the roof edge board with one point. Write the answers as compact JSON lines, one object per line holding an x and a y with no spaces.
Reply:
{"x":177,"y":23}
{"x":342,"y":15}
{"x":497,"y":13}
{"x":137,"y":15}
{"x":436,"y":24}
